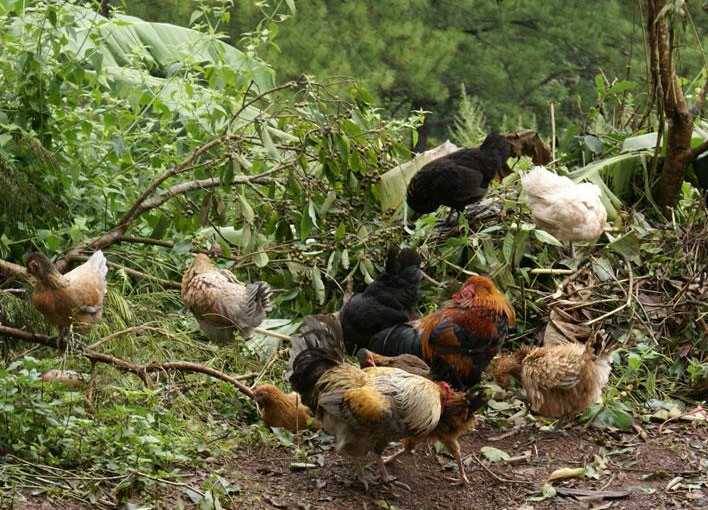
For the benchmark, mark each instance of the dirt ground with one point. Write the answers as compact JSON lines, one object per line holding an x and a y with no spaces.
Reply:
{"x":663,"y":467}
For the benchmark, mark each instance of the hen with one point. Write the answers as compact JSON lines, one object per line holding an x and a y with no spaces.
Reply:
{"x":222,"y":304}
{"x":364,"y":409}
{"x":390,"y":299}
{"x":461,"y":337}
{"x":568,"y":211}
{"x":560,"y":380}
{"x":458,"y":179}
{"x":279,"y":409}
{"x":408,"y":362}
{"x":71,"y":299}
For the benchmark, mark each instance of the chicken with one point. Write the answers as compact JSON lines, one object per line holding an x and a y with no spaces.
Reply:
{"x":408,"y":362}
{"x":72,"y":299}
{"x":561,"y":380}
{"x":285,"y":410}
{"x":568,"y":211}
{"x":390,"y":299}
{"x":364,"y":409}
{"x":458,"y":179}
{"x":461,"y":337}
{"x":457,"y":418}
{"x":222,"y":304}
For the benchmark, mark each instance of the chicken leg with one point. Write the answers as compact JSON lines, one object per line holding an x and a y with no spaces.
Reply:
{"x":454,"y":447}
{"x":385,"y":476}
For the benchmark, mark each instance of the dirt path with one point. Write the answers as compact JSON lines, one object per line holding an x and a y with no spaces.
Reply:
{"x":667,"y":469}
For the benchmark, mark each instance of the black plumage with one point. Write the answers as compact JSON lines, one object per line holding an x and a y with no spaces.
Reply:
{"x":389,"y":300}
{"x":460,"y":178}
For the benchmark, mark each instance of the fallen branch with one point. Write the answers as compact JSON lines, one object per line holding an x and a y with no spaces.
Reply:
{"x":13,"y":269}
{"x":141,"y":370}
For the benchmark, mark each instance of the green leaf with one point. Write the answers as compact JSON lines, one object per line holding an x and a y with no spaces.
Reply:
{"x":312,"y":212}
{"x":317,"y":284}
{"x":547,"y":238}
{"x":291,"y":5}
{"x":494,"y":454}
{"x":260,"y":259}
{"x":329,"y":200}
{"x":4,"y":138}
{"x":246,"y":209}
{"x":628,"y":246}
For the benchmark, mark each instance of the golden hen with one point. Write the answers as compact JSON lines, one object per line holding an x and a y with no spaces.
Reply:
{"x":364,"y":409}
{"x":285,"y":410}
{"x":222,"y":304}
{"x":71,"y":299}
{"x":561,"y":380}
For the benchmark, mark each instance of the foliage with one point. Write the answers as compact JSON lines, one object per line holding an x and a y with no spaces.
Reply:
{"x":469,"y":126}
{"x":290,"y":187}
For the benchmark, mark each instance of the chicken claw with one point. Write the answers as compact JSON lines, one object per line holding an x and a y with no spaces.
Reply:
{"x":385,"y":476}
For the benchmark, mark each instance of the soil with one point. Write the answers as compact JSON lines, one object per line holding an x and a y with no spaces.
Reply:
{"x":661,"y":467}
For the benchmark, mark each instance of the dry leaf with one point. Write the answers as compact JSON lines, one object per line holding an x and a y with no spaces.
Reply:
{"x":565,"y":473}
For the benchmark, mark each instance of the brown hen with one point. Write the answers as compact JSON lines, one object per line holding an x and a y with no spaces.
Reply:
{"x":561,"y":381}
{"x":71,"y":299}
{"x":222,"y":304}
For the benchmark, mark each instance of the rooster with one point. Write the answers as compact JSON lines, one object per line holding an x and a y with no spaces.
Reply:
{"x":390,"y":299}
{"x":285,"y":410}
{"x":364,"y":409}
{"x":71,"y":299}
{"x":222,"y":304}
{"x":568,"y":211}
{"x":461,"y":338}
{"x":560,"y":380}
{"x":458,"y":179}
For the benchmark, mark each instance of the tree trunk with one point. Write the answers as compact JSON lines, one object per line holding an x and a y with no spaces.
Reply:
{"x":669,"y":94}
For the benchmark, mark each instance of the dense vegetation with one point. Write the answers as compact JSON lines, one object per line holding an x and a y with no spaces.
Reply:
{"x":153,"y":142}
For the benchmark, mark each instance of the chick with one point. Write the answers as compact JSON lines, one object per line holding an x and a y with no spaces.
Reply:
{"x":285,"y":410}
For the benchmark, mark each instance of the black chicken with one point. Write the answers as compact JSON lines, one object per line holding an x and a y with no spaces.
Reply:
{"x":458,"y":179}
{"x":389,"y":300}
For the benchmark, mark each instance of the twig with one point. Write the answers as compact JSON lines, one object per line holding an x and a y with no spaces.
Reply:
{"x":122,"y":332}
{"x":133,"y":272}
{"x":496,"y":476}
{"x":543,"y":270}
{"x":553,"y":131}
{"x":622,"y":307}
{"x":13,"y":269}
{"x":274,"y":334}
{"x":432,"y":280}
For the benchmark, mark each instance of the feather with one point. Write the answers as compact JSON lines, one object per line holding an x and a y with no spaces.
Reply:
{"x":222,"y":304}
{"x":569,"y":211}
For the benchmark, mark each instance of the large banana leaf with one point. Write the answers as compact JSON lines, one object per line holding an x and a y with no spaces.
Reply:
{"x":136,"y":57}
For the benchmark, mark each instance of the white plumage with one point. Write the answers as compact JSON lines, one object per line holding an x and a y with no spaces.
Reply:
{"x":568,"y":211}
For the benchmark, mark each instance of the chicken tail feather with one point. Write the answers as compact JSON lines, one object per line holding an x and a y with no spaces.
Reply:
{"x":399,"y":339}
{"x":318,"y":348}
{"x":259,"y":295}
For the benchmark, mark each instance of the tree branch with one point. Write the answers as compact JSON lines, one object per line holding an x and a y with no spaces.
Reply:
{"x":13,"y":269}
{"x":141,"y":370}
{"x":116,"y":233}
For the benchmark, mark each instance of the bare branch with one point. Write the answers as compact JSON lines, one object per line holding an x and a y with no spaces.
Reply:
{"x":13,"y":269}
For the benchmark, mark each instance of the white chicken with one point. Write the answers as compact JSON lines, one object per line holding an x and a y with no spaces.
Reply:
{"x":568,"y":211}
{"x":222,"y":304}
